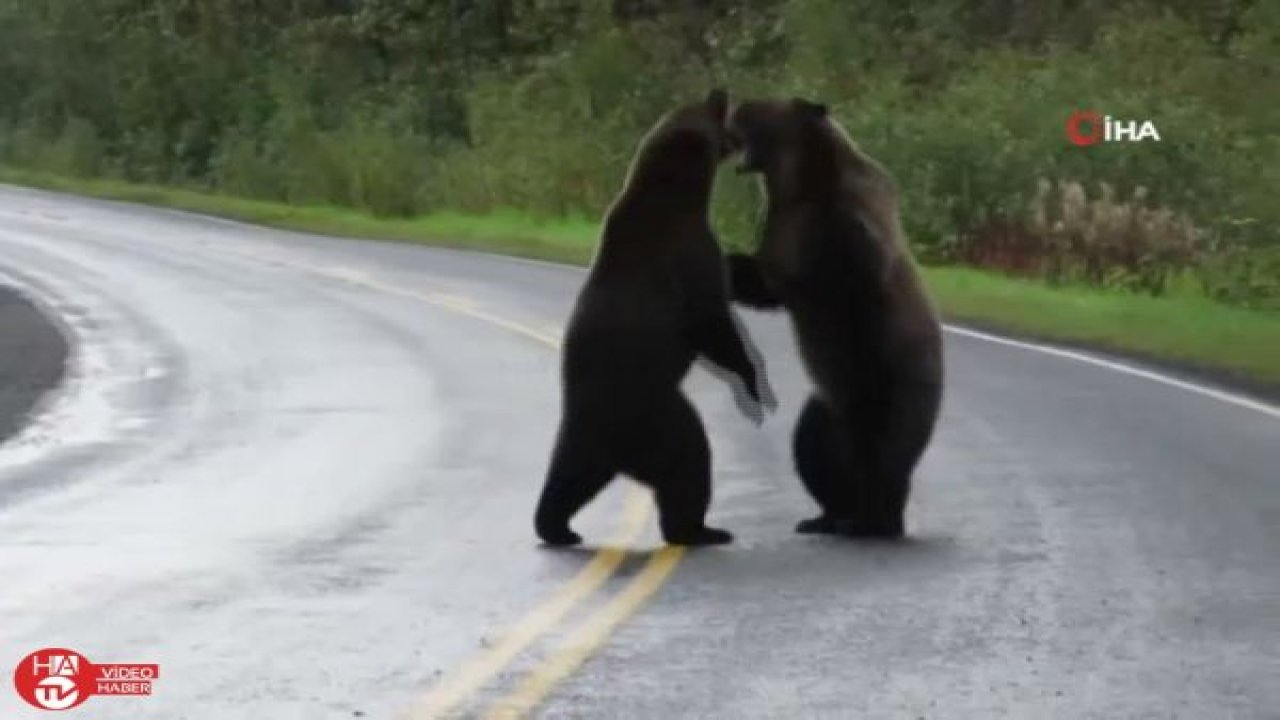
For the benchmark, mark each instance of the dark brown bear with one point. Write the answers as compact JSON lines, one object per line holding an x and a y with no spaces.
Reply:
{"x":655,"y":299}
{"x":834,"y":256}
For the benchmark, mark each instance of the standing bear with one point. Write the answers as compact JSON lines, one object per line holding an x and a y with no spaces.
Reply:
{"x":834,"y":256}
{"x":655,"y":299}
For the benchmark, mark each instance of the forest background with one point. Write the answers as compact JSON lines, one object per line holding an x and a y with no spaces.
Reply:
{"x":508,"y":124}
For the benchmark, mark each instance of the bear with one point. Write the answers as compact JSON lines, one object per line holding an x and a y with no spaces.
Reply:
{"x":833,"y":255}
{"x":655,"y":300}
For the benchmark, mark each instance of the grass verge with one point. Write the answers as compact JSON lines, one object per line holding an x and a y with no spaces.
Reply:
{"x":1190,"y":331}
{"x":508,"y":233}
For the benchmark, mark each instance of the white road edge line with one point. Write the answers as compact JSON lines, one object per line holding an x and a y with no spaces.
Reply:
{"x":1237,"y":400}
{"x":1219,"y":395}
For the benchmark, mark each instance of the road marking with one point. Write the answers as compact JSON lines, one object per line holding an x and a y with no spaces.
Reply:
{"x":1229,"y":398}
{"x":587,"y":638}
{"x":454,"y":301}
{"x":466,"y":308}
{"x":1125,"y":369}
{"x":480,"y":669}
{"x":352,"y":275}
{"x":554,"y":331}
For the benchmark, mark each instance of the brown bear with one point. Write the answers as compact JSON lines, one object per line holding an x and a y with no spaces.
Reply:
{"x":656,"y":298}
{"x":833,"y":254}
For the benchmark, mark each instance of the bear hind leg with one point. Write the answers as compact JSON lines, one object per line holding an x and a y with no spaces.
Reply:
{"x":818,"y":447}
{"x":577,"y":474}
{"x":678,"y":468}
{"x":908,"y":428}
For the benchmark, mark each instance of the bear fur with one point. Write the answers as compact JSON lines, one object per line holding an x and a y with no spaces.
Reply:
{"x":655,"y":299}
{"x":833,"y":255}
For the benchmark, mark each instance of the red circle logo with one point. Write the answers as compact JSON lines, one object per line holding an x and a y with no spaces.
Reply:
{"x":54,"y":679}
{"x":1090,"y":118}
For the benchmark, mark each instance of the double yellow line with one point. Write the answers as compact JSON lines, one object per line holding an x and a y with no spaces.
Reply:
{"x":592,"y":632}
{"x":589,"y":635}
{"x":577,"y":647}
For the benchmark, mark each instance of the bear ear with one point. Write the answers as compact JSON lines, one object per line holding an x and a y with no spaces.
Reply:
{"x":718,"y":101}
{"x":808,"y":107}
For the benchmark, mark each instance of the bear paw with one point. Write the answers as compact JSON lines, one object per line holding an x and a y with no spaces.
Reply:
{"x":869,"y":529}
{"x":821,"y":525}
{"x":701,"y":536}
{"x":852,"y":528}
{"x":560,"y":538}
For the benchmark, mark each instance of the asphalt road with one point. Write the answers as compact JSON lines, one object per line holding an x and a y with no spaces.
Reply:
{"x":297,"y":472}
{"x":33,"y":356}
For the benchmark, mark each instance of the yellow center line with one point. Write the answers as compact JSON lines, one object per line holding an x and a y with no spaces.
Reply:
{"x":480,"y":669}
{"x":588,"y":638}
{"x":593,"y":632}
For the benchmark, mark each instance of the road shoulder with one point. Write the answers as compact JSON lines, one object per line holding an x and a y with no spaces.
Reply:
{"x":1179,"y":369}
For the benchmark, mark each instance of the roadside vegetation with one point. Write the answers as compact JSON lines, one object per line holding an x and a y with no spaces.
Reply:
{"x":1191,"y":330}
{"x":506,"y":125}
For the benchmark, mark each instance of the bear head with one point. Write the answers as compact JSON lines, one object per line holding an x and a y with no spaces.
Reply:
{"x":768,"y":133}
{"x":684,"y":147}
{"x":698,"y":128}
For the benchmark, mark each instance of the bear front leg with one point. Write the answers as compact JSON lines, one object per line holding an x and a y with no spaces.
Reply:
{"x":718,"y":339}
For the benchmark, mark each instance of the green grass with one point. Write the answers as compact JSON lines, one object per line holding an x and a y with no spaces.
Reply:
{"x":1189,"y":330}
{"x":509,"y":233}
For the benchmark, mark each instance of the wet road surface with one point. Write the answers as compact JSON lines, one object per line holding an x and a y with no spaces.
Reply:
{"x":33,"y":356}
{"x":297,"y":472}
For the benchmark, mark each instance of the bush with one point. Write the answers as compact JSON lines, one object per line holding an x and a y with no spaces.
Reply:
{"x":399,"y":108}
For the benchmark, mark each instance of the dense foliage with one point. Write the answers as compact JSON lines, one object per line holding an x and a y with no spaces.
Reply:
{"x":410,"y":106}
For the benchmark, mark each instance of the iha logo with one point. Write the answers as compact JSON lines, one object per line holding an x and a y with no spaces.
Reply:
{"x":1089,"y":127}
{"x":60,"y":679}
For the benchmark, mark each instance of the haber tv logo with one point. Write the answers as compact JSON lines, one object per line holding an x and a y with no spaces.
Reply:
{"x":1089,"y":127}
{"x":60,"y":679}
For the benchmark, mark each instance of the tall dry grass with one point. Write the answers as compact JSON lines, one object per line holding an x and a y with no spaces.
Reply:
{"x":1065,"y":235}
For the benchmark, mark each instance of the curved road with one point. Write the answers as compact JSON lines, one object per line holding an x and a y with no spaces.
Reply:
{"x":33,"y":355}
{"x":297,"y":472}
